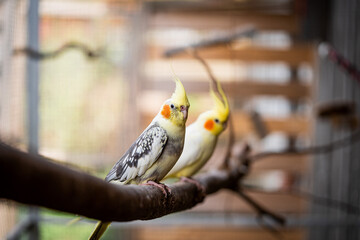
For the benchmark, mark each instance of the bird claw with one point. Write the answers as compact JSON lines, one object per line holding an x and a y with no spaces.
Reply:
{"x":197,"y":184}
{"x":165,"y":189}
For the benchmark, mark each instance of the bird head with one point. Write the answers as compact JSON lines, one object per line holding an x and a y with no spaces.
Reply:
{"x":176,"y":108}
{"x":215,"y":120}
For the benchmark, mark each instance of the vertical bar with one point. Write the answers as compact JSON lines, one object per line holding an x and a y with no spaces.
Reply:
{"x":354,"y":169}
{"x":32,"y":69}
{"x":8,"y":19}
{"x":32,"y":85}
{"x":294,"y":107}
{"x":134,"y":72}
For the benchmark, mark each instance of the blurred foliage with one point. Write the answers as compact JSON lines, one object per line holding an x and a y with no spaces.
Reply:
{"x":53,"y":231}
{"x":56,"y":226}
{"x":81,"y":99}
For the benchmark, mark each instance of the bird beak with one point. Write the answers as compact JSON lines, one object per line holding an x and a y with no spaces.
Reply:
{"x":224,"y":125}
{"x":184,"y":111}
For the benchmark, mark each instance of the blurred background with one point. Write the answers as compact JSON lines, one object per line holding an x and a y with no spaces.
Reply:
{"x":81,"y":79}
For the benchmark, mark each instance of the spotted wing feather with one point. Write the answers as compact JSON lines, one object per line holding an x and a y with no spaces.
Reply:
{"x":141,"y":155}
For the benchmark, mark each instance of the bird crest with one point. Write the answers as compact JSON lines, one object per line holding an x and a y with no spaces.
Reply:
{"x":221,"y":105}
{"x":179,"y":96}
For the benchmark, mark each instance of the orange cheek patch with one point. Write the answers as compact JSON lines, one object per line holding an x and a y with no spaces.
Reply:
{"x":209,"y":124}
{"x":166,"y":111}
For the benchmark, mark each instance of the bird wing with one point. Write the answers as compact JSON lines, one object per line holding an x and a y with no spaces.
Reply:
{"x":140,"y":156}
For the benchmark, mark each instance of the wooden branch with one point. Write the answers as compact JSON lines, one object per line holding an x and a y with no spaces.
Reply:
{"x":258,"y":124}
{"x":247,"y":31}
{"x":89,"y":53}
{"x":336,"y":108}
{"x":326,"y":50}
{"x":230,"y":144}
{"x":243,"y":152}
{"x":261,"y":211}
{"x":214,"y":86}
{"x":341,"y":143}
{"x":34,"y":180}
{"x":292,"y":56}
{"x":213,"y":83}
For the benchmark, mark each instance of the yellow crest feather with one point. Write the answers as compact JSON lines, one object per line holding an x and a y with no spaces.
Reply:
{"x":179,"y":96}
{"x":221,"y":107}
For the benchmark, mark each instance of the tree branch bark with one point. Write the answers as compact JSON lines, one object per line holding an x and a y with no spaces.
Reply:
{"x":35,"y":180}
{"x":247,"y":31}
{"x":86,"y":50}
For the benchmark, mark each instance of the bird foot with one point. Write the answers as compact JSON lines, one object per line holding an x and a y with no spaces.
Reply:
{"x":165,"y":189}
{"x":197,"y":184}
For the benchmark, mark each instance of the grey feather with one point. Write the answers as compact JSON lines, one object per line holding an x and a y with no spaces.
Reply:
{"x":140,"y":156}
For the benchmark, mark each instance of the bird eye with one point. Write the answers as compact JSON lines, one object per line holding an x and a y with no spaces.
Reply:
{"x":172,"y":106}
{"x":217,"y":120}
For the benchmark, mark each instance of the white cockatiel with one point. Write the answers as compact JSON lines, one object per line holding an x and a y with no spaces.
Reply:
{"x":201,"y":137}
{"x":155,"y":151}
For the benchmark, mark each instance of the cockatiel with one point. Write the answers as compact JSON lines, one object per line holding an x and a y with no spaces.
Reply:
{"x":155,"y":151}
{"x":201,"y":137}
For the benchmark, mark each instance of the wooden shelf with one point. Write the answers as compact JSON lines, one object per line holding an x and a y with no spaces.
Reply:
{"x":224,"y":20}
{"x":293,"y":56}
{"x":238,"y":90}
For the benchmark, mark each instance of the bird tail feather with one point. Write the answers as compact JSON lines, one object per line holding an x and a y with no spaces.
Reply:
{"x":99,"y":230}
